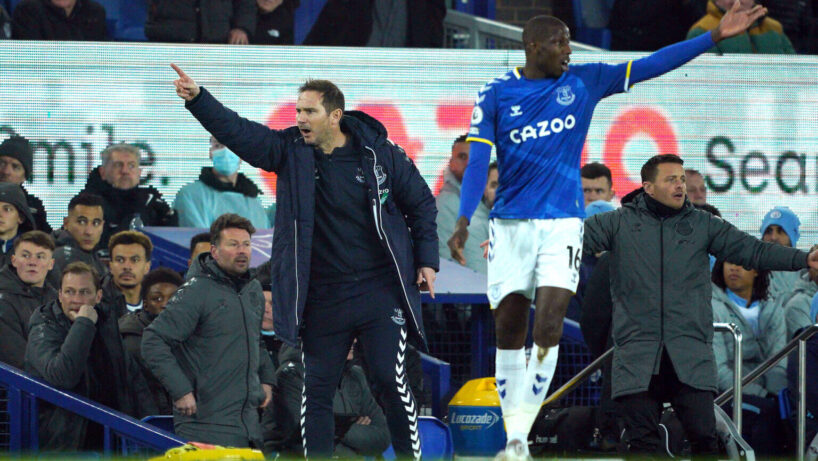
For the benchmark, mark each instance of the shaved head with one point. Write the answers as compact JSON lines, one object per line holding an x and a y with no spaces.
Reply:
{"x":539,"y":28}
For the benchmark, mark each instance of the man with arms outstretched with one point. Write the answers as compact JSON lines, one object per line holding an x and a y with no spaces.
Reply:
{"x":538,"y":117}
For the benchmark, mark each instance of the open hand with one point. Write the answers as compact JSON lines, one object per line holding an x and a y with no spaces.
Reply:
{"x":457,"y":242}
{"x":186,"y":88}
{"x":237,"y":37}
{"x":735,"y":22}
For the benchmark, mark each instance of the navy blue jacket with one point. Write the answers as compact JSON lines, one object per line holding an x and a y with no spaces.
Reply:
{"x":403,"y":208}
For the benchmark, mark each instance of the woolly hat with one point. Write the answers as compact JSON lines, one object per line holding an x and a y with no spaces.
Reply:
{"x":784,"y":217}
{"x":13,"y":194}
{"x":18,"y":147}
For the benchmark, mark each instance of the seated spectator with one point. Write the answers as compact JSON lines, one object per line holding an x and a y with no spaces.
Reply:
{"x":130,"y":261}
{"x":647,"y":25}
{"x":275,"y":24}
{"x":765,"y":37}
{"x":448,"y":208}
{"x":59,"y":20}
{"x":16,"y":164}
{"x":382,"y":23}
{"x":209,"y":21}
{"x":75,"y":346}
{"x":220,"y":189}
{"x":780,"y":225}
{"x":157,"y":288}
{"x":360,"y":425}
{"x":23,"y":289}
{"x":80,"y":234}
{"x":811,"y":378}
{"x":741,"y":296}
{"x":127,"y":204}
{"x":15,"y":218}
{"x":797,"y":304}
{"x":200,"y":243}
{"x":597,"y":183}
{"x":696,"y":187}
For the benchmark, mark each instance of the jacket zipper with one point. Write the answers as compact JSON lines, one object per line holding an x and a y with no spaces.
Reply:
{"x":295,"y":249}
{"x":246,"y":377}
{"x":382,"y":232}
{"x":661,"y":284}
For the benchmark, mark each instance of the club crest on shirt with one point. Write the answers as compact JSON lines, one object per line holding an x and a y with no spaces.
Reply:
{"x":398,"y":317}
{"x":565,"y":96}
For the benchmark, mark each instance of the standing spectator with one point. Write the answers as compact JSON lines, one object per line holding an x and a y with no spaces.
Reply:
{"x":220,"y":189}
{"x":696,"y":187}
{"x":199,"y":243}
{"x":206,"y":348}
{"x":381,"y":23}
{"x":203,"y":21}
{"x":662,"y":316}
{"x":448,"y":205}
{"x":130,"y":261}
{"x":15,"y":218}
{"x":647,"y":25}
{"x":781,"y":225}
{"x":75,"y":346}
{"x":59,"y":20}
{"x":157,"y":288}
{"x":127,"y":204}
{"x":16,"y":165}
{"x":23,"y":289}
{"x":766,"y":36}
{"x":741,"y":297}
{"x":597,"y":183}
{"x":80,"y":234}
{"x":276,"y":22}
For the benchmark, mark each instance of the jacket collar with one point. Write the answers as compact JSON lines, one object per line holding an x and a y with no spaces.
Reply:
{"x":244,"y":186}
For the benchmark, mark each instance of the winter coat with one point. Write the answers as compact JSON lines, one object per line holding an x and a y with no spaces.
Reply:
{"x":353,"y":399}
{"x":131,"y":328}
{"x":35,"y":206}
{"x":797,"y":305}
{"x":278,"y":26}
{"x":203,"y":21}
{"x":69,"y":251}
{"x":782,"y":284}
{"x":403,"y":208}
{"x":448,"y":210}
{"x":597,"y":308}
{"x":60,"y":353}
{"x":113,"y":297}
{"x":199,"y":203}
{"x":122,"y":207}
{"x":208,"y":341}
{"x":41,"y":20}
{"x":18,"y":300}
{"x":755,"y":348}
{"x":660,"y":287}
{"x":766,"y":36}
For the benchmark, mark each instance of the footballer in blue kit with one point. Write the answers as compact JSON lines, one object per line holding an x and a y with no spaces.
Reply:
{"x":537,"y":118}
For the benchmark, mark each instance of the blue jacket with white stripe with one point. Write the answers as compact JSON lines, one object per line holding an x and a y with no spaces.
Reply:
{"x":402,"y":206}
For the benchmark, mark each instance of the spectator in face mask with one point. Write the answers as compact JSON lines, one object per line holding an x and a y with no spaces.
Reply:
{"x":220,"y":189}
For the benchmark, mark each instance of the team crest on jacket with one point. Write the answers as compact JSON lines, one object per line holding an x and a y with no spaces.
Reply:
{"x":380,"y":175}
{"x":565,"y":96}
{"x":398,"y":317}
{"x":360,"y":175}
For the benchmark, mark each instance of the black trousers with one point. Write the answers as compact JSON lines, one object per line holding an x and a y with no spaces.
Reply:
{"x":377,"y":319}
{"x":641,"y":413}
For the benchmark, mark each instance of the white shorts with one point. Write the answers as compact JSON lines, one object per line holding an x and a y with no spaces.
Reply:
{"x":528,"y":253}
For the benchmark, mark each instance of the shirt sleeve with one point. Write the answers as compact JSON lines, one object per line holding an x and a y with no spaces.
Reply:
{"x":483,"y":121}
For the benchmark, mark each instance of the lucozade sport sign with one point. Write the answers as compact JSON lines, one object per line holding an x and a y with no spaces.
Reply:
{"x":749,"y":123}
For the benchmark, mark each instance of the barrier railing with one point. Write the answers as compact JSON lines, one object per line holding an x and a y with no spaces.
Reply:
{"x":24,"y":393}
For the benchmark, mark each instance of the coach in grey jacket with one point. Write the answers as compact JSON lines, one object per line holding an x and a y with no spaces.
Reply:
{"x":660,"y":286}
{"x":206,"y":348}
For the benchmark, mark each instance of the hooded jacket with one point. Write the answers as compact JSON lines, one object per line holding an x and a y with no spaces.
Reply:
{"x":448,"y":209}
{"x":35,"y":206}
{"x":208,"y":341}
{"x":765,"y":36}
{"x":131,"y":328}
{"x":402,"y":206}
{"x":18,"y":300}
{"x":660,"y":287}
{"x":199,"y":203}
{"x":60,"y":352}
{"x":121,"y":208}
{"x":69,"y":251}
{"x":797,"y":305}
{"x":13,"y":194}
{"x":756,"y":347}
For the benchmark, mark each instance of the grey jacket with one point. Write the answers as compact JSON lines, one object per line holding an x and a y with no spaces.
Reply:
{"x":69,"y":251}
{"x":18,"y":301}
{"x":448,"y":208}
{"x":797,"y":304}
{"x":660,"y":287}
{"x":756,"y":348}
{"x":208,"y":341}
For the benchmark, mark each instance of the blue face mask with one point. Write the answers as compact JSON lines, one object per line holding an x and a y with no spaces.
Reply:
{"x":225,"y":161}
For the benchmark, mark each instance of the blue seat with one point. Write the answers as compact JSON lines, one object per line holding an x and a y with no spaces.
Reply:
{"x":591,"y":18}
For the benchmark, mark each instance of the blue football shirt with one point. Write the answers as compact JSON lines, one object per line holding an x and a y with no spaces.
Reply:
{"x":538,"y":128}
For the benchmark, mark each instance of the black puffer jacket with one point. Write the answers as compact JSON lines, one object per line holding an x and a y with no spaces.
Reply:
{"x":18,"y":301}
{"x":202,"y":21}
{"x":87,"y":359}
{"x":35,"y":206}
{"x":69,"y":251}
{"x":41,"y":20}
